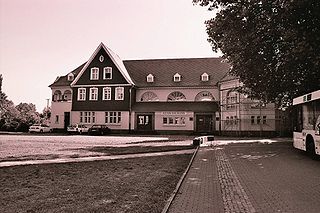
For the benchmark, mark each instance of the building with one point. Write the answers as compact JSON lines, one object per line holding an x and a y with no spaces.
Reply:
{"x":160,"y":95}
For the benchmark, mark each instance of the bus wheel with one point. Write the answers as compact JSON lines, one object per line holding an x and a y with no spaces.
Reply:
{"x":311,"y":148}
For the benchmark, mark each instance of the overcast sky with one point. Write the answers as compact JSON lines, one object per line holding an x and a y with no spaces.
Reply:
{"x":43,"y":39}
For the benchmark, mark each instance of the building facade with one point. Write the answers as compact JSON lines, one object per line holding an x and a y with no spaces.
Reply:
{"x":193,"y":95}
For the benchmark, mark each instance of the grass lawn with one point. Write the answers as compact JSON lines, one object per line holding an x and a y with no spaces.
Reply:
{"x":127,"y":185}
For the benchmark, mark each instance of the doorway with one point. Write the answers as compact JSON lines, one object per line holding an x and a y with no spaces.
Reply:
{"x":204,"y":123}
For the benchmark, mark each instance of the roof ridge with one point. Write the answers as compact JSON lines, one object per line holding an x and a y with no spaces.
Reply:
{"x":162,"y":59}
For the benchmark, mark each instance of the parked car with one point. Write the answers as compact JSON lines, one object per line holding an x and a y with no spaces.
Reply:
{"x":40,"y":128}
{"x":77,"y":129}
{"x":97,"y":129}
{"x":203,"y":140}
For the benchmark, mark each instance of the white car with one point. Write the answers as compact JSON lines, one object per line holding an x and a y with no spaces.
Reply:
{"x":203,"y":140}
{"x":40,"y":128}
{"x":77,"y":129}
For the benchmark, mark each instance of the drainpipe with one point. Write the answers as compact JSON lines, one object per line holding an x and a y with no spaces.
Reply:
{"x":219,"y":108}
{"x":130,"y":107}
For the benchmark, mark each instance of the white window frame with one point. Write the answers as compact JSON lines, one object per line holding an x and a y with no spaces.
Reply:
{"x":119,"y":93}
{"x":174,"y":121}
{"x":107,"y":93}
{"x":204,"y":77}
{"x":177,"y":77}
{"x":82,"y":94}
{"x":112,"y":117}
{"x":94,"y":75}
{"x":150,"y":78}
{"x":70,"y":77}
{"x":93,"y":94}
{"x":87,"y":117}
{"x":105,"y":71}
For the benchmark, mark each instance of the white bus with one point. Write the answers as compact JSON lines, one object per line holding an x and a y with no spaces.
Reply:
{"x":306,"y":123}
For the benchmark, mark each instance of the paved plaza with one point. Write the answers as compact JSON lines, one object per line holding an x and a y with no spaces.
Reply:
{"x":250,"y":177}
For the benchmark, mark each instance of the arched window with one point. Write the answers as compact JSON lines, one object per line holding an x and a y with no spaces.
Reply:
{"x":176,"y":96}
{"x":57,"y":95}
{"x":231,"y":99}
{"x":67,"y":95}
{"x":149,"y":96}
{"x":204,"y":96}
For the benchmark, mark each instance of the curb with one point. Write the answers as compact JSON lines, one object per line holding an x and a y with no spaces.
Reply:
{"x":174,"y":193}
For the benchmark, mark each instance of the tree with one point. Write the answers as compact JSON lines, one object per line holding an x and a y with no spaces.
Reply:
{"x":27,"y":115}
{"x":16,"y":118}
{"x":273,"y":46}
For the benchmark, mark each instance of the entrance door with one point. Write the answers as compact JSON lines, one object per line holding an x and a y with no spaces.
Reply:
{"x":204,"y":123}
{"x":144,"y":122}
{"x":66,"y":119}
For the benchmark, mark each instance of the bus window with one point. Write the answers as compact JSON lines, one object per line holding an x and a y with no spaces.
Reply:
{"x":317,"y":116}
{"x":308,"y":116}
{"x":297,"y":118}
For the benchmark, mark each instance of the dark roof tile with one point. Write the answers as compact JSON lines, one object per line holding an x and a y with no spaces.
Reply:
{"x":163,"y":71}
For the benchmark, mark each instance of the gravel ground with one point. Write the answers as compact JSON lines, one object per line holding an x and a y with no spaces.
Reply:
{"x":17,"y":146}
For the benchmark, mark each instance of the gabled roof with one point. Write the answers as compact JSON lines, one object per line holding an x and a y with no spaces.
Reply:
{"x":163,"y":71}
{"x":63,"y":80}
{"x":115,"y":59}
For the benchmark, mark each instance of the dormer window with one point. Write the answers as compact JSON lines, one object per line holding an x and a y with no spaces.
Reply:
{"x":150,"y":78}
{"x":204,"y":77}
{"x":177,"y":77}
{"x":107,"y":73}
{"x":70,"y":77}
{"x":94,"y":73}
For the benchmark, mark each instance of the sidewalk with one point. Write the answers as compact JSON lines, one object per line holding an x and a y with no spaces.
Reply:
{"x":211,"y":185}
{"x":98,"y":158}
{"x":249,"y":177}
{"x":200,"y":190}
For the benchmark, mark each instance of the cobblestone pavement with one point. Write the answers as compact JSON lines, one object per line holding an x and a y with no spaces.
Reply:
{"x":250,"y":178}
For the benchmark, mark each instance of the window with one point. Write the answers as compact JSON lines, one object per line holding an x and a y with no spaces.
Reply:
{"x":107,"y":73}
{"x":70,"y":77}
{"x":204,"y":77}
{"x":227,"y":120}
{"x":113,"y":117}
{"x":176,"y":96}
{"x":177,"y":77}
{"x":204,"y":96}
{"x":81,"y":94}
{"x":67,"y":96}
{"x":94,"y":73}
{"x":174,"y":121}
{"x":87,"y":117}
{"x":231,"y":100}
{"x":57,"y":119}
{"x":57,"y":95}
{"x":93,"y":94}
{"x":149,"y":96}
{"x":119,"y":93}
{"x":252,"y":119}
{"x":258,"y":119}
{"x":150,"y":78}
{"x":101,"y":58}
{"x":264,"y":119}
{"x":106,"y":93}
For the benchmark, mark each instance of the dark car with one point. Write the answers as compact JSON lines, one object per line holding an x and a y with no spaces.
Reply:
{"x":98,"y":130}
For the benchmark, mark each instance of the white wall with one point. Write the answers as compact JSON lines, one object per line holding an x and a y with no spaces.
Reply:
{"x":58,"y":109}
{"x":100,"y":119}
